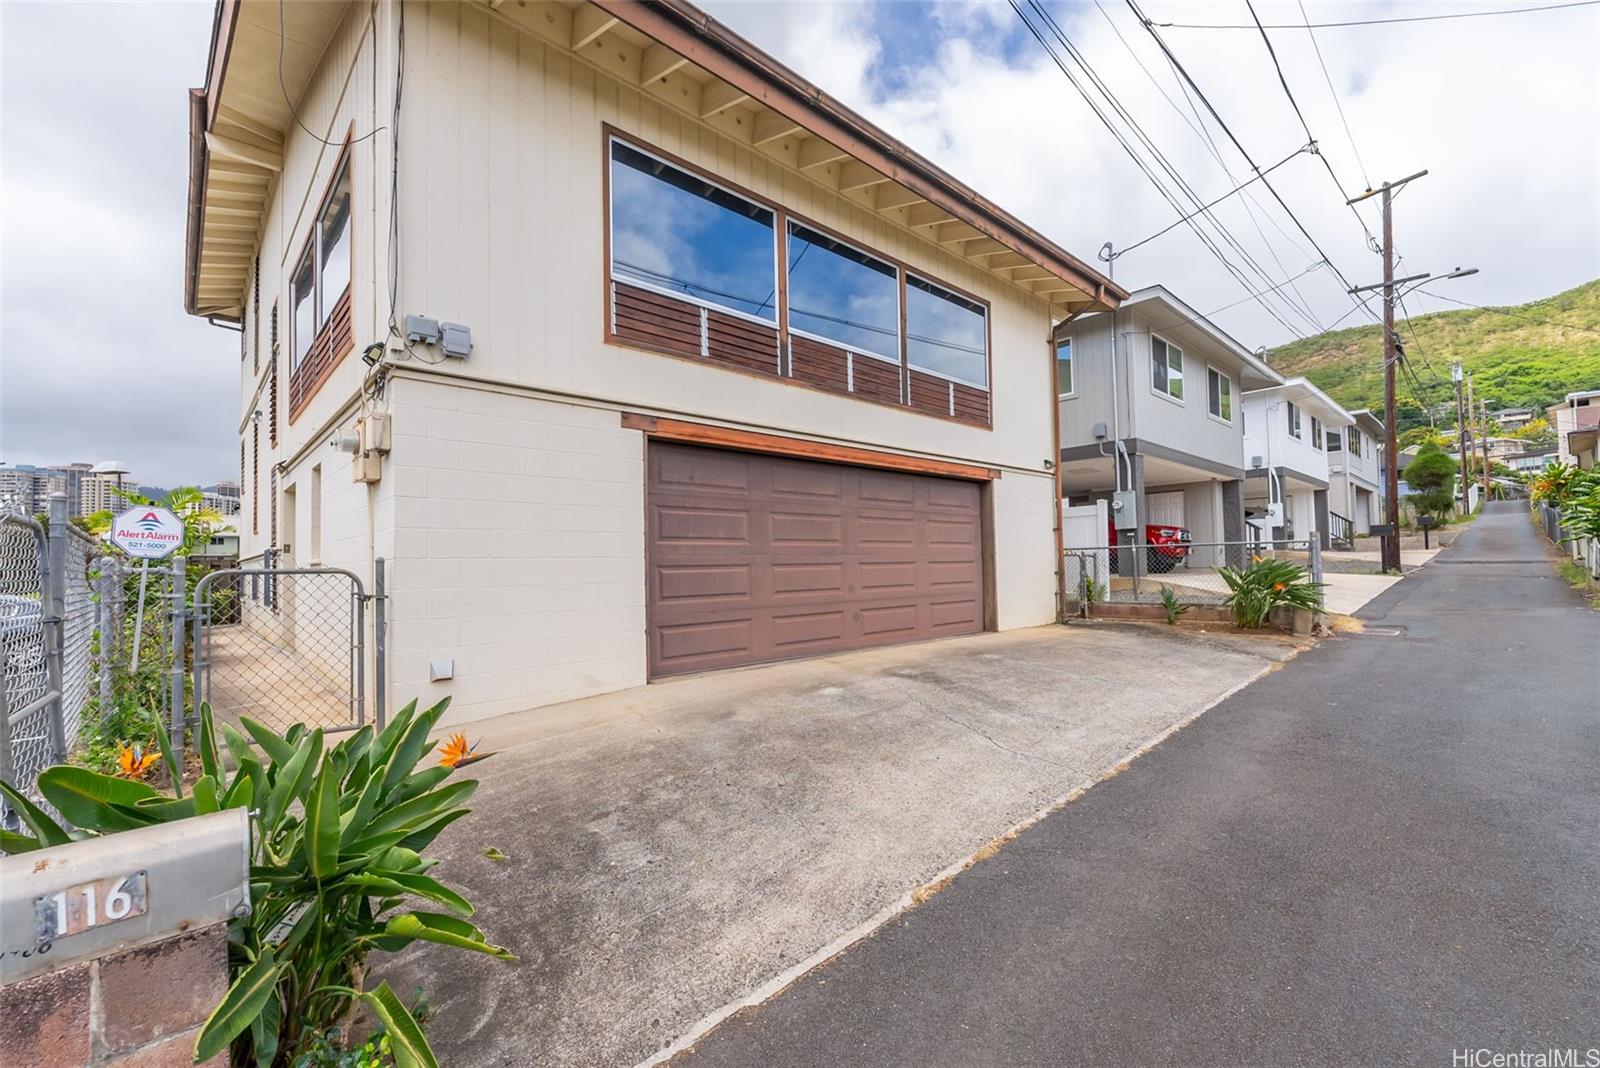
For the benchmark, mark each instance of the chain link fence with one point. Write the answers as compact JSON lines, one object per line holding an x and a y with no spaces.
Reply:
{"x":1137,"y":573}
{"x":25,"y":736}
{"x":282,"y":646}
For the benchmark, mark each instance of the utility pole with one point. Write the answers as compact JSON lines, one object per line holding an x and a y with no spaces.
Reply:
{"x":1472,"y":435}
{"x":1391,"y":540}
{"x":1483,"y":436}
{"x":1461,"y":434}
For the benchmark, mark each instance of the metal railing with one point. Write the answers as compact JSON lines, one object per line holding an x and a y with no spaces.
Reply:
{"x":1341,"y":530}
{"x":1136,"y":573}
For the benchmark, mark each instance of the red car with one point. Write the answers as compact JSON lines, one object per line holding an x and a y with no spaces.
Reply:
{"x":1168,"y":546}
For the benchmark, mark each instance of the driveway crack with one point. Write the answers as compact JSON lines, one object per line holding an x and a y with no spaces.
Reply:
{"x":918,"y":700}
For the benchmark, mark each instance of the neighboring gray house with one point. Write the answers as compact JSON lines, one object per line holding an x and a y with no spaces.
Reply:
{"x":1159,"y":414}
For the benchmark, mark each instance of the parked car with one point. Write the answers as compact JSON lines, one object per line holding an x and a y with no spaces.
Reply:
{"x":1168,"y":546}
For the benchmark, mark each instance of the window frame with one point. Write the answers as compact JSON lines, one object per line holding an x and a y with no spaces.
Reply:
{"x":312,"y":247}
{"x":1316,"y":434}
{"x":779,"y":236}
{"x":1226,"y":379}
{"x":786,"y":325}
{"x":1072,"y":371}
{"x":1353,"y":446}
{"x":1182,"y":401}
{"x":783,"y":216}
{"x":905,"y":333}
{"x":1294,"y":422}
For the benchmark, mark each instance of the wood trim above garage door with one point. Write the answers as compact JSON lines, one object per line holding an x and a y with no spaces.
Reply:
{"x":778,"y":445}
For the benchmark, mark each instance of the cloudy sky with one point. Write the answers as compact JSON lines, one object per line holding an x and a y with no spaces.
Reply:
{"x":99,"y":362}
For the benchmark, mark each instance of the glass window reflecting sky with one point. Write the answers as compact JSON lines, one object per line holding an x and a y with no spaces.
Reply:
{"x":677,"y":232}
{"x":842,"y":294}
{"x":945,"y":332}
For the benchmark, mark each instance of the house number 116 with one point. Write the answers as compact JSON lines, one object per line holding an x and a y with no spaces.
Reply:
{"x":88,"y":905}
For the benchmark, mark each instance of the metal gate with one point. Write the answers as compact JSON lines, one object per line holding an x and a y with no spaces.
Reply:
{"x":284,"y":647}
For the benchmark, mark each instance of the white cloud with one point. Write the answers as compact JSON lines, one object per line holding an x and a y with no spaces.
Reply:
{"x":1505,"y":112}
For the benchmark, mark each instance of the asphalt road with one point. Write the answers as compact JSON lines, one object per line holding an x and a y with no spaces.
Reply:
{"x":1386,"y":851}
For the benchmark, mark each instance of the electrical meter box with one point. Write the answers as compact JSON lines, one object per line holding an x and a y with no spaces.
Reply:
{"x":1123,"y":509}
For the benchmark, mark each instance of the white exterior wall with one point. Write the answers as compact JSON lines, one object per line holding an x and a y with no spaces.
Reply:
{"x":355,"y":517}
{"x":1266,"y":434}
{"x":519,"y":500}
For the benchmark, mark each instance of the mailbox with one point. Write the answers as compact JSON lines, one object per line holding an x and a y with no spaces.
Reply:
{"x":83,"y":900}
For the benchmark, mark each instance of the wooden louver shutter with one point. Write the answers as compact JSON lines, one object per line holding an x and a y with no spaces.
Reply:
{"x":272,"y":384}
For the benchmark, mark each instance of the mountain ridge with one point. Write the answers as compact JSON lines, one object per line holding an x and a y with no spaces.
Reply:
{"x":1522,"y":355}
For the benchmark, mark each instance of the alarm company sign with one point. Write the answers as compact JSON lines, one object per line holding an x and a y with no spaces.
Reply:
{"x":147,"y":532}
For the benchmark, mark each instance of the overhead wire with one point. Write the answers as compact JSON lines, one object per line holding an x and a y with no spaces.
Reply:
{"x":1303,"y":310}
{"x":1311,"y":33}
{"x":1211,"y":108}
{"x":1344,"y":193}
{"x":1383,"y":22}
{"x":1139,"y":161}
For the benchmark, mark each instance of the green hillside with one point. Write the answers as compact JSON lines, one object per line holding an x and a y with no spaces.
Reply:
{"x":1531,"y":354}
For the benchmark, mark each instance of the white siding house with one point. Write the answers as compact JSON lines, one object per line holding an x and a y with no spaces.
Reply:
{"x":746,"y":378}
{"x":1285,"y":444}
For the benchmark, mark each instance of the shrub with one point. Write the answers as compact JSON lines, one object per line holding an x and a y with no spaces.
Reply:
{"x":1264,"y":585}
{"x":1432,"y":476}
{"x":1173,"y":607}
{"x":336,"y":853}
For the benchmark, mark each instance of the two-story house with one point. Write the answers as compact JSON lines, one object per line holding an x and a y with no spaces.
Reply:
{"x":1286,"y":450}
{"x":653,"y":357}
{"x":1355,"y":475}
{"x":1149,"y":399}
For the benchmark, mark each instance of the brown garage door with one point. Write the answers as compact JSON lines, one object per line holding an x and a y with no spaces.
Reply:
{"x":755,"y":558}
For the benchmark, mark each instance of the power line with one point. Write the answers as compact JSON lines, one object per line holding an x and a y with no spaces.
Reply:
{"x":1510,"y":314}
{"x":1206,"y":207}
{"x":1380,"y":22}
{"x":1150,"y":28}
{"x":1283,"y":81}
{"x":1099,"y":83}
{"x":1335,"y":94}
{"x":1251,"y":205}
{"x":1139,"y":160}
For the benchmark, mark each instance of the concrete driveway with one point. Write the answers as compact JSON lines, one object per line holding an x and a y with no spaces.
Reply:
{"x":681,"y":849}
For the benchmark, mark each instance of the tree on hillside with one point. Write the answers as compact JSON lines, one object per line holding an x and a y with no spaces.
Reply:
{"x":1534,"y":432}
{"x":1432,"y":478}
{"x":1425,"y":435}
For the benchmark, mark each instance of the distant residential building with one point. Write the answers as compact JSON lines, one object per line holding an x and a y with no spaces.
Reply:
{"x":222,"y":498}
{"x":27,"y":487}
{"x":1514,"y":418}
{"x":1531,"y":461}
{"x":1576,"y":422}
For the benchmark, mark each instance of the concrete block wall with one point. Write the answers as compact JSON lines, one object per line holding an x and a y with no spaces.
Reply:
{"x":1024,"y":549}
{"x":139,"y":1008}
{"x":518,"y":549}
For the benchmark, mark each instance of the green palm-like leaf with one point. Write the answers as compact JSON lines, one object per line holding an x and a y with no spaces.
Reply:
{"x":445,"y":930}
{"x":396,"y":883}
{"x":94,"y":801}
{"x":406,"y":1040}
{"x":242,"y":1005}
{"x":173,"y":766}
{"x":277,"y":749}
{"x":293,"y":778}
{"x":206,"y":743}
{"x":14,"y":842}
{"x":321,"y":830}
{"x":46,"y":830}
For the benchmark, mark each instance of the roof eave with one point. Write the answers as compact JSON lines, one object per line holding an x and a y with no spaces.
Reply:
{"x":693,"y":34}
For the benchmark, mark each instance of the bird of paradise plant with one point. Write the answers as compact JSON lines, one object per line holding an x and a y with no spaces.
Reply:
{"x":456,"y":753}
{"x":336,"y":871}
{"x":133,"y":761}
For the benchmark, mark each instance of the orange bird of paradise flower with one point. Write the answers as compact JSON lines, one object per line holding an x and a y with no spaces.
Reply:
{"x":133,"y":761}
{"x":456,"y":751}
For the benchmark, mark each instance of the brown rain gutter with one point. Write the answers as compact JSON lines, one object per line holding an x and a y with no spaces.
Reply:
{"x":706,"y":43}
{"x":202,"y":112}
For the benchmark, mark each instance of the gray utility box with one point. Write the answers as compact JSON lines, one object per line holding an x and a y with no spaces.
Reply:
{"x":84,"y":900}
{"x":1123,"y":509}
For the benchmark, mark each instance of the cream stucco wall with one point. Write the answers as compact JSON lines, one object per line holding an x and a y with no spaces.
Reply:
{"x":510,"y":512}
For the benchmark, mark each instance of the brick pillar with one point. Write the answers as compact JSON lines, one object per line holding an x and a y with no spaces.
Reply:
{"x":140,"y":1007}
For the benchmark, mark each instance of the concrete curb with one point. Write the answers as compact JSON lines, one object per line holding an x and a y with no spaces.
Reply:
{"x":919,"y":894}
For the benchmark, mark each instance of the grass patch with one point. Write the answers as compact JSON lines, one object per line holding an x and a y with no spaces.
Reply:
{"x":1578,"y":577}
